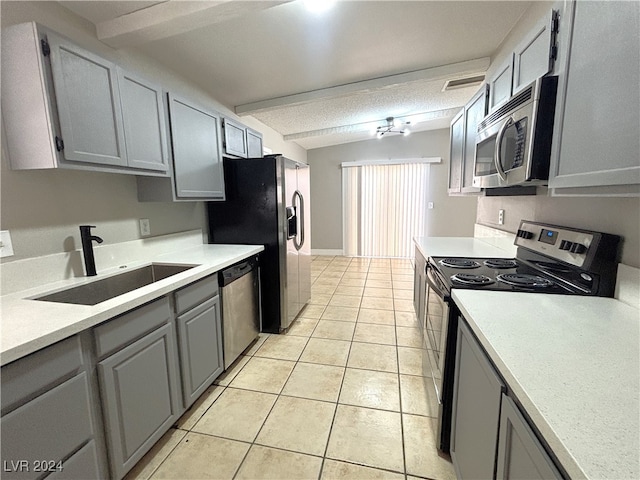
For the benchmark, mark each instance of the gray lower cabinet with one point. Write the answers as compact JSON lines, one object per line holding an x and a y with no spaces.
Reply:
{"x":139,"y":383}
{"x":476,"y":410}
{"x":520,"y":453}
{"x":420,"y":287}
{"x":596,"y":141}
{"x":50,"y":421}
{"x":200,"y":342}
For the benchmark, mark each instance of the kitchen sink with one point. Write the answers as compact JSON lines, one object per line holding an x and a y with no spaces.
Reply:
{"x":101,"y":290}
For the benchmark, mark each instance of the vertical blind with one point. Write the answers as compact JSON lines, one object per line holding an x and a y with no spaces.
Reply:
{"x":384,"y":208}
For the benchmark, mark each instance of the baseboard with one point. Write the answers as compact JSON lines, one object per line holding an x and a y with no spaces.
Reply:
{"x":326,"y":251}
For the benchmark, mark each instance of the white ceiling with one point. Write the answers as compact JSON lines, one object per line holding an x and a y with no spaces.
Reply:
{"x":318,"y":79}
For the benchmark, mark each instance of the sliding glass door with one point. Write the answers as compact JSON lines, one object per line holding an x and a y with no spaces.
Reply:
{"x":384,"y":208}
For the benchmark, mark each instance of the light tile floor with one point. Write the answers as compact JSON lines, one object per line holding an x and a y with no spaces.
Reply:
{"x":340,"y":396}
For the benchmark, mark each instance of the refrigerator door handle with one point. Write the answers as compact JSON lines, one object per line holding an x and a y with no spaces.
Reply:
{"x":299,"y":244}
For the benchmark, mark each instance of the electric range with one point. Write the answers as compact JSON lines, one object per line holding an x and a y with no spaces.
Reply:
{"x":550,"y":259}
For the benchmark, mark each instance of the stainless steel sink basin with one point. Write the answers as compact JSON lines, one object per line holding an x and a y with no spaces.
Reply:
{"x":101,"y":290}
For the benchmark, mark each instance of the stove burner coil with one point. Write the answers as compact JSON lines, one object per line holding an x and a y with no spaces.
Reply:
{"x":459,"y":263}
{"x":501,"y":263}
{"x":470,"y":279}
{"x":524,"y":280}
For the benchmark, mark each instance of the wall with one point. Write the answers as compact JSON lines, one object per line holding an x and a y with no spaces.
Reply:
{"x":451,"y":216}
{"x":620,"y":216}
{"x":43,"y":209}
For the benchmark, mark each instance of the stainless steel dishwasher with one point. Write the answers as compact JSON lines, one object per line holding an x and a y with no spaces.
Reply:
{"x":240,"y":288}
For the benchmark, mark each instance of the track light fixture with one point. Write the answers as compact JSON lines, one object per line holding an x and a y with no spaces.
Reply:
{"x":393,"y":126}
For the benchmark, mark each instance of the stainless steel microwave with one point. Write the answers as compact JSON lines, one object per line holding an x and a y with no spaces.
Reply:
{"x":513,"y":144}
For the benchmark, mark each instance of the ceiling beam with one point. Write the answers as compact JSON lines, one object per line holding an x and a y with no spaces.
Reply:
{"x":173,"y":17}
{"x":366,"y":126}
{"x":444,"y":72}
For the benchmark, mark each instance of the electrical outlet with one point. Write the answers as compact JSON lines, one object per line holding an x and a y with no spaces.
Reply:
{"x":145,"y":227}
{"x":500,"y":217}
{"x":6,"y":247}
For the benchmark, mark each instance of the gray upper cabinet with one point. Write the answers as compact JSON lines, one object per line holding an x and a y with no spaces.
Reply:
{"x":476,"y":410}
{"x":88,"y":101}
{"x":235,"y":138}
{"x":197,"y":151}
{"x":596,"y":142}
{"x":464,"y":127}
{"x":474,"y":112}
{"x":144,"y":123}
{"x":534,"y":56}
{"x":500,"y":84}
{"x":254,"y":144}
{"x":520,"y":453}
{"x":83,"y":111}
{"x":456,"y":153}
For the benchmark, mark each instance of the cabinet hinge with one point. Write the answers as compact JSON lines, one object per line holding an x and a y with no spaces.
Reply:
{"x":555,"y":21}
{"x":46,"y":50}
{"x":59,"y":144}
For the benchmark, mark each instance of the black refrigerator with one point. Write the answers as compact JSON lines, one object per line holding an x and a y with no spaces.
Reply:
{"x":267,"y":203}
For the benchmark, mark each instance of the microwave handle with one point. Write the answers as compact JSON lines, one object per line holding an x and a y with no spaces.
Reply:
{"x":497,"y":158}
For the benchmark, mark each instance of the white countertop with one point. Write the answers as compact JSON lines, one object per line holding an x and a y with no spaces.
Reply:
{"x":573,"y":363}
{"x":29,"y":325}
{"x":461,"y":247}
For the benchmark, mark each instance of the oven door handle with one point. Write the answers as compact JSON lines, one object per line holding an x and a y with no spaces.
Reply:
{"x":436,"y":285}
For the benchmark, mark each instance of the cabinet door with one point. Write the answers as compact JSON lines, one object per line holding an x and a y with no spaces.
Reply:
{"x":520,"y":453}
{"x":200,"y":336}
{"x":88,"y":100}
{"x":254,"y":144}
{"x":139,"y":387}
{"x":534,"y":56}
{"x":235,"y":139}
{"x":48,"y":428}
{"x":476,"y":409}
{"x":598,"y":98}
{"x":197,"y":152}
{"x":500,"y":84}
{"x":456,"y":153}
{"x":473,"y":115}
{"x":144,"y":123}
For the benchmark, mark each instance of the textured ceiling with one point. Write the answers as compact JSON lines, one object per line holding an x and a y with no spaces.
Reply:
{"x":284,"y":50}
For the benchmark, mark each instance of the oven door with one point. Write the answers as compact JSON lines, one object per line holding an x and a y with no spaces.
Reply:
{"x":435,"y":330}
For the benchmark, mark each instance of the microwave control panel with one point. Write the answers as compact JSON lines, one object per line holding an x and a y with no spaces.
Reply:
{"x":564,"y":244}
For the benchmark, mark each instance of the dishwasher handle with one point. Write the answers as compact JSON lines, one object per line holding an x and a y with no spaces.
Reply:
{"x":234,"y":272}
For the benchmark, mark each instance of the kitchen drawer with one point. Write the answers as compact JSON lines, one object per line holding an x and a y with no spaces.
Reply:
{"x":82,"y":465}
{"x":49,"y":428}
{"x":196,"y":293}
{"x":127,"y":328}
{"x":29,"y":376}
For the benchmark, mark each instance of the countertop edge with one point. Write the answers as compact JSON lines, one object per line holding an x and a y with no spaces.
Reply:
{"x":92,"y":316}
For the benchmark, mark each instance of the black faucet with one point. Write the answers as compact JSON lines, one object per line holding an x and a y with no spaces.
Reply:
{"x":87,"y":248}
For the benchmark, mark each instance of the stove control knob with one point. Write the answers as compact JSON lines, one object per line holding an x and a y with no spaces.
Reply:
{"x":524,"y":234}
{"x":566,"y":245}
{"x":578,"y":248}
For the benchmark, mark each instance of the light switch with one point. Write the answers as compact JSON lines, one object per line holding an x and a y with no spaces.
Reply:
{"x":430,"y":205}
{"x":6,"y":247}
